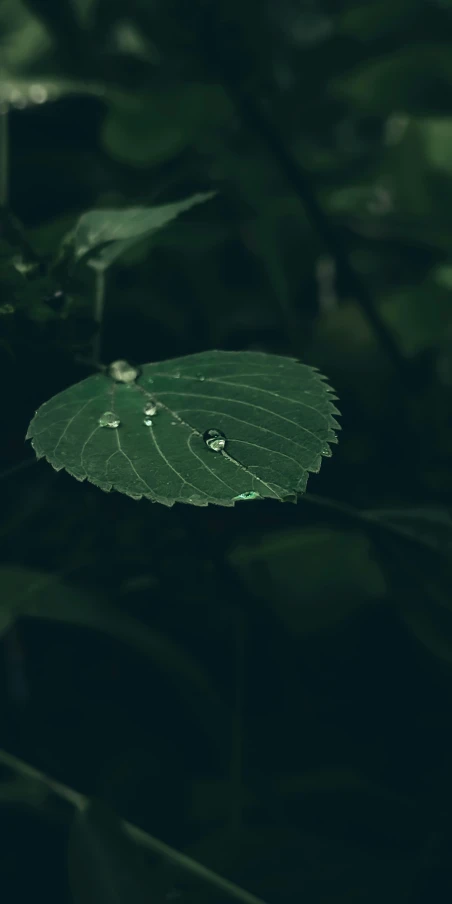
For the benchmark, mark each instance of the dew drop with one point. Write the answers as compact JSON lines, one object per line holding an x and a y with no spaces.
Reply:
{"x":109,"y":419}
{"x":123,"y":372}
{"x":173,"y":423}
{"x":249,"y":495}
{"x":200,"y":378}
{"x":147,"y":422}
{"x":176,"y":375}
{"x":215,"y":440}
{"x":150,"y":409}
{"x":38,"y":94}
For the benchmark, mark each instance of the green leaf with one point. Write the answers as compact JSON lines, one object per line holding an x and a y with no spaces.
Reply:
{"x":287,"y":569}
{"x":152,"y":128}
{"x":112,"y":232}
{"x":274,"y":415}
{"x":105,"y":867}
{"x":432,"y":525}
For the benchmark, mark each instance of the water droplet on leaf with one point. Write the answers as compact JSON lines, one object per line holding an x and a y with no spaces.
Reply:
{"x":109,"y":419}
{"x":215,"y":440}
{"x":147,"y":422}
{"x":38,"y":94}
{"x":123,"y":372}
{"x":150,"y":408}
{"x":200,"y":378}
{"x":249,"y":495}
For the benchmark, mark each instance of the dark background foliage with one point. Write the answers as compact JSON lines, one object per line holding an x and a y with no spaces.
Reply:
{"x":267,"y":688}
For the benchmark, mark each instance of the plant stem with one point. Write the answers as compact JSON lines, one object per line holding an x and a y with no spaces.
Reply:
{"x":4,"y":155}
{"x":301,"y":183}
{"x":98,"y":311}
{"x":238,"y":720}
{"x":81,"y":802}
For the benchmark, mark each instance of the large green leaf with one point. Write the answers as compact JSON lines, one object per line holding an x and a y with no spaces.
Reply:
{"x":285,"y":568}
{"x":109,"y":233}
{"x":213,"y":427}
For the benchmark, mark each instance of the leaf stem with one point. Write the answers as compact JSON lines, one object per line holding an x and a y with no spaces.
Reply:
{"x":81,"y":802}
{"x":98,"y":311}
{"x":4,"y":154}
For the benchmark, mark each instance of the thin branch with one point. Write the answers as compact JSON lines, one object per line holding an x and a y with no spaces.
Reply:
{"x":4,"y":154}
{"x":81,"y":802}
{"x":301,"y":184}
{"x":98,"y":311}
{"x":238,"y":721}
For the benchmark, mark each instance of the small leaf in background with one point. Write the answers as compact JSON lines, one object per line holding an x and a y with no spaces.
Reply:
{"x":216,"y":427}
{"x":105,"y":867}
{"x":119,"y":230}
{"x":312,"y":577}
{"x":24,"y":39}
{"x":418,"y":316}
{"x":150,"y":129}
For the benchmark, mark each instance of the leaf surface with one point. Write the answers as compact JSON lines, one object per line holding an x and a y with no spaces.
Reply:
{"x":275,"y":415}
{"x":112,"y":232}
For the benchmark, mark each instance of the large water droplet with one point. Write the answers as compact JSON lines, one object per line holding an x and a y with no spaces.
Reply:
{"x":150,"y":408}
{"x":249,"y":495}
{"x":215,"y":440}
{"x":123,"y":372}
{"x":109,"y":419}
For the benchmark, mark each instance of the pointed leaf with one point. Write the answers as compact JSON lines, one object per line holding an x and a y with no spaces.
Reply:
{"x":214,"y":427}
{"x":112,"y":232}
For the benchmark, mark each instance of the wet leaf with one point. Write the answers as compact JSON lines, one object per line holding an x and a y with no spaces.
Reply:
{"x":275,"y":415}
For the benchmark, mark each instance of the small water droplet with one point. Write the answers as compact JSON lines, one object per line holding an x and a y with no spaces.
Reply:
{"x":173,"y":423}
{"x":123,"y":372}
{"x":38,"y":94}
{"x":249,"y":495}
{"x":215,"y":440}
{"x":176,"y":374}
{"x":200,"y":378}
{"x":150,"y":408}
{"x":147,"y":422}
{"x":109,"y":419}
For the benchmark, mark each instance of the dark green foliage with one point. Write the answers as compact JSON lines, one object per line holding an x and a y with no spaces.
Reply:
{"x":255,"y":696}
